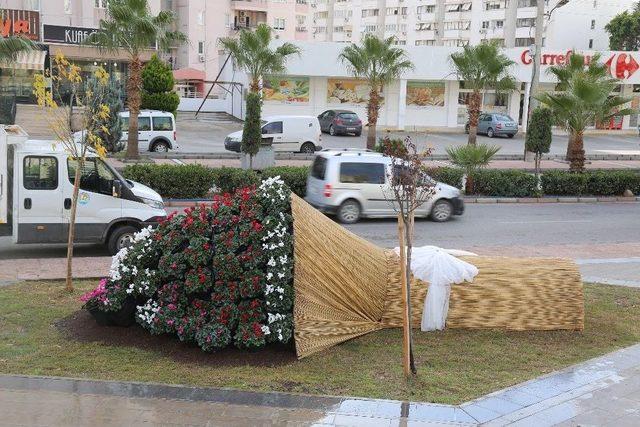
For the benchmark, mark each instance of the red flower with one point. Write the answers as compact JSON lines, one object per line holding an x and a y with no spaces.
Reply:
{"x":256,"y":226}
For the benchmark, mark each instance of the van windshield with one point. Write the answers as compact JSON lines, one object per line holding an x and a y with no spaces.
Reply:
{"x":319,"y":167}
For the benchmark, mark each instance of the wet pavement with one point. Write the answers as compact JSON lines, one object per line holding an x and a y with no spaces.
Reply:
{"x":602,"y":391}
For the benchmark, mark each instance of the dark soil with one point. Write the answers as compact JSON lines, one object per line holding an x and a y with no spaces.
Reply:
{"x":80,"y":326}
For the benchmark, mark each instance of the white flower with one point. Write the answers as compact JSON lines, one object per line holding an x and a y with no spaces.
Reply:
{"x":265,"y":329}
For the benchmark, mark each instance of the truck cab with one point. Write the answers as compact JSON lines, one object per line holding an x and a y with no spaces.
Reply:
{"x":37,"y":189}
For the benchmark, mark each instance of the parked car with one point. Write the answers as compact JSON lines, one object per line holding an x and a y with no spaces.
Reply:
{"x":284,"y":133}
{"x":352,"y":184}
{"x":340,"y":122}
{"x":493,"y":124}
{"x":156,"y":131}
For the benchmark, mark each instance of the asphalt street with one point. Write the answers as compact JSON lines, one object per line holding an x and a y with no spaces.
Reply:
{"x":481,"y":225}
{"x":206,"y":135}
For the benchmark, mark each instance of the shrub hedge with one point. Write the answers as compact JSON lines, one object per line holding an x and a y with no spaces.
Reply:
{"x":196,"y":181}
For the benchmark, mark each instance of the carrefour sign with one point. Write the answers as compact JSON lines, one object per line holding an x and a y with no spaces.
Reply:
{"x":622,"y":65}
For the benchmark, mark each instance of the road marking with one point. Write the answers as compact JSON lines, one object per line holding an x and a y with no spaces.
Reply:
{"x":548,"y":222}
{"x":178,"y":161}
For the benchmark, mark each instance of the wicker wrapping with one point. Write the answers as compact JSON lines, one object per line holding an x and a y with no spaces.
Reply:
{"x":346,"y":286}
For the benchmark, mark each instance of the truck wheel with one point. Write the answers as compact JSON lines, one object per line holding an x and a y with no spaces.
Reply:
{"x":308,"y":148}
{"x":160,"y":147}
{"x":120,"y":238}
{"x":441,"y":210}
{"x":349,"y":212}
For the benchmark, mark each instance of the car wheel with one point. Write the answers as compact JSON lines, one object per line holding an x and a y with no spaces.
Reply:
{"x":490,"y":133}
{"x":358,"y":133}
{"x":466,"y":129}
{"x":308,"y":148}
{"x":511,"y":135}
{"x":160,"y":147}
{"x":121,"y":237}
{"x":332,"y":131}
{"x":441,"y":211}
{"x":349,"y":212}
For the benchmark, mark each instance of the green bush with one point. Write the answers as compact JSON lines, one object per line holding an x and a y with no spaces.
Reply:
{"x":157,"y":87}
{"x":252,"y":130}
{"x":504,"y":183}
{"x":173,"y":182}
{"x":450,"y":176}
{"x":595,"y":183}
{"x":227,"y":180}
{"x":167,"y":101}
{"x":294,"y":176}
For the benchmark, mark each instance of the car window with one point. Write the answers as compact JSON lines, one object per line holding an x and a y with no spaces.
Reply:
{"x":95,"y":175}
{"x":162,"y":123}
{"x":362,"y":173}
{"x":349,"y":116}
{"x":125,"y":123}
{"x":144,"y":124}
{"x":503,"y":118}
{"x":272,"y":128}
{"x":319,"y":167}
{"x":40,"y":173}
{"x":487,"y":118}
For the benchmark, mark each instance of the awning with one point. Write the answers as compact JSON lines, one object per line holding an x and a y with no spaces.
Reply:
{"x":189,"y":74}
{"x":30,"y":60}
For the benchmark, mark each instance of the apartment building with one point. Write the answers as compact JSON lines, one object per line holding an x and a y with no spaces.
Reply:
{"x":206,"y":21}
{"x":579,"y":24}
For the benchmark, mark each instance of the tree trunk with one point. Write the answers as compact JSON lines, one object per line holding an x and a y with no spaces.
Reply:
{"x":372,"y":117}
{"x":254,"y":86}
{"x":406,"y":319}
{"x":474,"y":112}
{"x":409,"y":240}
{"x":72,"y":225}
{"x":468,"y":186}
{"x":577,"y":152}
{"x":134,"y":96}
{"x":569,"y":146}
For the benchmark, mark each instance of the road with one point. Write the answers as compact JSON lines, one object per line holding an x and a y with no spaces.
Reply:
{"x":206,"y":135}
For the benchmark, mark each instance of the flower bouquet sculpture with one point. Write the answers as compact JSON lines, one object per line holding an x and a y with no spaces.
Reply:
{"x":262,"y":266}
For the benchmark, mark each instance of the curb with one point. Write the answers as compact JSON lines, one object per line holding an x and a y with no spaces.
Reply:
{"x":469,"y":200}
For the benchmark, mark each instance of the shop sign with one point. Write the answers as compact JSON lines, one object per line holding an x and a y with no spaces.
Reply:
{"x":66,"y":35}
{"x":25,"y":23}
{"x":621,"y":65}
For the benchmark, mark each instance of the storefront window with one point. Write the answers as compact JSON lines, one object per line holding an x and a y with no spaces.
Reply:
{"x":18,"y":82}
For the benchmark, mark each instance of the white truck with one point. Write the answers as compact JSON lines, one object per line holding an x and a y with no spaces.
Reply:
{"x":36,"y":186}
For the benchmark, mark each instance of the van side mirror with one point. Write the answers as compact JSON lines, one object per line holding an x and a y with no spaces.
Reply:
{"x":116,"y":188}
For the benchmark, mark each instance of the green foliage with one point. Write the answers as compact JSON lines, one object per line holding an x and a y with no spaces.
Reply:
{"x":472,"y":157}
{"x":450,"y":176}
{"x":504,"y":183}
{"x":113,"y":125}
{"x":294,"y":176}
{"x":157,"y":87}
{"x":624,"y":30}
{"x":539,"y":131}
{"x":173,"y":182}
{"x":10,"y":47}
{"x":596,"y":183}
{"x":252,"y":131}
{"x":228,"y":180}
{"x":157,"y":76}
{"x":483,"y":66}
{"x":251,"y":52}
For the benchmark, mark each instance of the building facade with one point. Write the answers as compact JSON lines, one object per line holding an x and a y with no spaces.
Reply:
{"x":578,"y":24}
{"x":431,"y":96}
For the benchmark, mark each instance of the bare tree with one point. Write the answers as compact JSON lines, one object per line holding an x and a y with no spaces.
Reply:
{"x":409,"y":188}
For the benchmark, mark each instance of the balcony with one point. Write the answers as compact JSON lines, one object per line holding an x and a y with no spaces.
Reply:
{"x":250,"y":5}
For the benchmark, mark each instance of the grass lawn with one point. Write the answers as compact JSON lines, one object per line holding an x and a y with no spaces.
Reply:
{"x":42,"y":333}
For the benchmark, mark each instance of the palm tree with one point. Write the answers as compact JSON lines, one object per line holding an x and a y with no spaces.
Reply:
{"x":471,"y":158}
{"x":583,"y":98}
{"x":379,"y":62}
{"x":10,"y":47}
{"x":251,"y":52}
{"x":482,"y":67}
{"x":131,"y":27}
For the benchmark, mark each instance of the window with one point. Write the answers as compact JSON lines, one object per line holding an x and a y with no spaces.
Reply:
{"x":201,"y":17}
{"x":430,"y":8}
{"x":523,"y":42}
{"x":485,"y":24}
{"x":278,"y":23}
{"x":67,"y":7}
{"x":425,"y":42}
{"x":499,"y":24}
{"x":95,"y":175}
{"x":102,"y":4}
{"x":370,"y":12}
{"x":40,"y":173}
{"x":593,"y":24}
{"x":272,"y":128}
{"x":425,"y":26}
{"x":590,"y":43}
{"x":319,"y":167}
{"x":144,"y":124}
{"x":162,"y":123}
{"x":362,"y":173}
{"x":525,"y":22}
{"x":527,"y":3}
{"x":200,"y":48}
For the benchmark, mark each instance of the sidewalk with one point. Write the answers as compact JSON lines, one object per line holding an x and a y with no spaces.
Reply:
{"x":602,"y":391}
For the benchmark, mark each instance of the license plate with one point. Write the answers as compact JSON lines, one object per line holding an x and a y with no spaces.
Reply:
{"x":351,"y":128}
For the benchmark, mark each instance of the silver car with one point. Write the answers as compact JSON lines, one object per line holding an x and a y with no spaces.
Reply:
{"x":354,"y":183}
{"x":492,"y":124}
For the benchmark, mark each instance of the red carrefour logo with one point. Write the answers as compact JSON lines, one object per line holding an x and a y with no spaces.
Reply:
{"x":624,"y":65}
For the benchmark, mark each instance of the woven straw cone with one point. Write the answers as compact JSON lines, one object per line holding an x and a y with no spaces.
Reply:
{"x":346,"y":286}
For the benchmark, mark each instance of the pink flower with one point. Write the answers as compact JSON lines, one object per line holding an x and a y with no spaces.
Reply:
{"x":98,"y":293}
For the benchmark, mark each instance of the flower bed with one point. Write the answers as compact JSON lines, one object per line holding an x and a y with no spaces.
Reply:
{"x":216,"y":275}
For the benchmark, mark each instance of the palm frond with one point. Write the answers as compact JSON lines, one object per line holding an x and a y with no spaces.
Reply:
{"x":10,"y":47}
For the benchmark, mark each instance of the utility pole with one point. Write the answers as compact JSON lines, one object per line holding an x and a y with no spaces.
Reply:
{"x":537,"y":46}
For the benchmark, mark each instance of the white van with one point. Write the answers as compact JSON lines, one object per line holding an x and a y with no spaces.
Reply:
{"x":36,"y":186}
{"x":156,"y":130}
{"x":355,"y":183}
{"x":285,"y":133}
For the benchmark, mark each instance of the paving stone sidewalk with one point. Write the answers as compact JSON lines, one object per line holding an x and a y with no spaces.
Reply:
{"x":602,"y":391}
